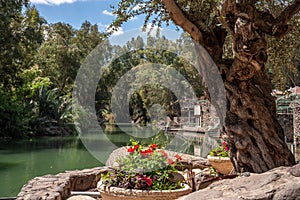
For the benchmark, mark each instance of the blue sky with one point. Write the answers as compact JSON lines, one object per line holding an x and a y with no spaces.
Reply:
{"x":75,"y":12}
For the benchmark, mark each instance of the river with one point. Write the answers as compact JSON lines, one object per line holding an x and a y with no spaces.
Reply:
{"x":23,"y":160}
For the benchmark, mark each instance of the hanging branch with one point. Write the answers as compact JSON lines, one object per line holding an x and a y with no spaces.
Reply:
{"x":179,"y":19}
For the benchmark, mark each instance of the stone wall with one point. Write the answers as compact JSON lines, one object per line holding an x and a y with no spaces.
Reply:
{"x":59,"y":186}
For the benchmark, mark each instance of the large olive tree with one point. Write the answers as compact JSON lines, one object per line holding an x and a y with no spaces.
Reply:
{"x":256,"y":139}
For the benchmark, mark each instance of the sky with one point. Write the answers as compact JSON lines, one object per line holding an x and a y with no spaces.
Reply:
{"x":75,"y":12}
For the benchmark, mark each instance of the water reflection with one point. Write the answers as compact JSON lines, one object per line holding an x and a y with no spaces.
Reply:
{"x":23,"y":160}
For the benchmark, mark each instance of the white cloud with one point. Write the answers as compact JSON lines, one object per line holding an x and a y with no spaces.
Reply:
{"x":139,"y":6}
{"x":133,"y":18}
{"x":151,"y":30}
{"x":106,"y":12}
{"x":118,"y":32}
{"x":102,"y":25}
{"x":53,"y":2}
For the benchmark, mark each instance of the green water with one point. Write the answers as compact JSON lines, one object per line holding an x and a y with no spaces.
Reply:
{"x":23,"y":160}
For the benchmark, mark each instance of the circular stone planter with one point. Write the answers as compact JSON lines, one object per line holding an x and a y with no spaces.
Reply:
{"x":115,"y":193}
{"x":222,"y":164}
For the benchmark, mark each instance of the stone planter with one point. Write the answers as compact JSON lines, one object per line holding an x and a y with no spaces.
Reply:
{"x":222,"y":164}
{"x":115,"y":193}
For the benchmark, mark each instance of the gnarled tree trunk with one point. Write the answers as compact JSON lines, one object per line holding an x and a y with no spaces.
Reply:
{"x":254,"y":133}
{"x":255,"y":137}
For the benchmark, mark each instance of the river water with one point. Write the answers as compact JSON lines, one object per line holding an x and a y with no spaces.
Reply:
{"x":23,"y":160}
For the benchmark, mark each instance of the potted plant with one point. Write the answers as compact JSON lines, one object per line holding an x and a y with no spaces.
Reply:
{"x":147,"y":172}
{"x":220,"y":160}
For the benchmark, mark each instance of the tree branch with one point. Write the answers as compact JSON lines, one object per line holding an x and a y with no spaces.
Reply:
{"x":288,"y":12}
{"x":277,"y":26}
{"x":178,"y":18}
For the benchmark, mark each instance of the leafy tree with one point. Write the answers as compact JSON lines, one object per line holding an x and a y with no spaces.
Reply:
{"x":13,"y":121}
{"x":20,"y":37}
{"x":53,"y":113}
{"x":64,"y":50}
{"x":10,"y":13}
{"x":87,"y":38}
{"x":145,"y":97}
{"x":253,"y":133}
{"x":283,"y":62}
{"x":58,"y":56}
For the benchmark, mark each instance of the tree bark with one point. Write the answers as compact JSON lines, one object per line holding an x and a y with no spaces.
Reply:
{"x":255,"y":137}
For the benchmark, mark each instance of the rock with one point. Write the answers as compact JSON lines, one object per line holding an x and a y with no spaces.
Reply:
{"x":203,"y":180}
{"x":295,"y":170}
{"x":276,"y":184}
{"x":59,"y":186}
{"x":177,"y":177}
{"x":81,"y":197}
{"x":190,"y":161}
{"x":115,"y":155}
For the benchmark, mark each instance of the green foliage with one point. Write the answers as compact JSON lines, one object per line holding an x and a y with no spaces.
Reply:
{"x":146,"y":96}
{"x":13,"y":120}
{"x":284,"y":58}
{"x":283,"y":61}
{"x":221,"y":150}
{"x":32,"y":82}
{"x":52,"y":111}
{"x":34,"y":56}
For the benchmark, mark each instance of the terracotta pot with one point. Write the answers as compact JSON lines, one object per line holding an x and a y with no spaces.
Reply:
{"x":115,"y":193}
{"x":223,"y":165}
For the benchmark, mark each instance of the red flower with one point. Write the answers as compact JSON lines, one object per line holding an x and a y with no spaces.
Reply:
{"x":153,"y":146}
{"x":147,"y":180}
{"x":130,"y":150}
{"x":178,"y":157}
{"x":170,"y":161}
{"x":146,"y":152}
{"x":136,"y":146}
